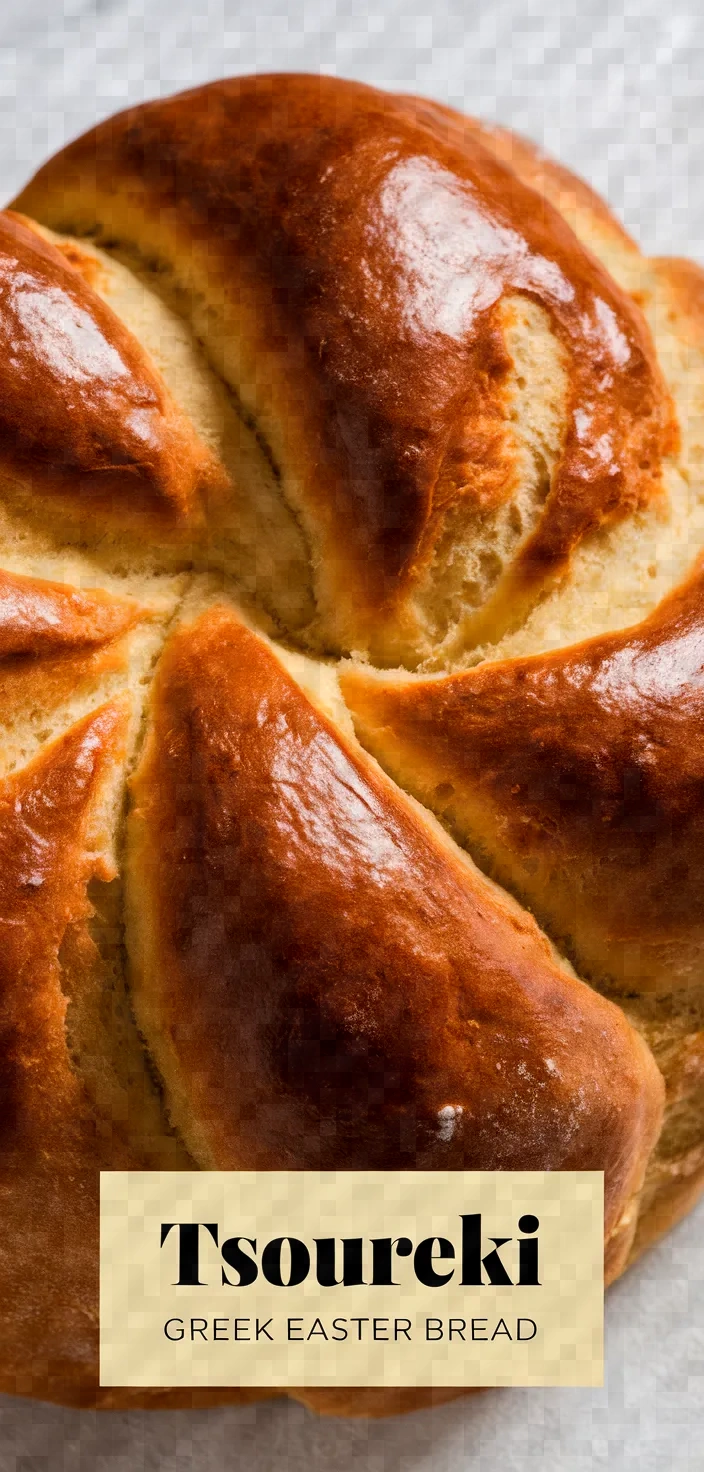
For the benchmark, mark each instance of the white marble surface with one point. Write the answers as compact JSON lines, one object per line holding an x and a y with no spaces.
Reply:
{"x":616,"y":89}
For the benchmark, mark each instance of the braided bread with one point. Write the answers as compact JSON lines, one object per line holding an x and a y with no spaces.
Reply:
{"x":351,"y":502}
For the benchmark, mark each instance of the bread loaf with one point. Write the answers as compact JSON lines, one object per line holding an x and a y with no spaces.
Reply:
{"x":351,"y":631}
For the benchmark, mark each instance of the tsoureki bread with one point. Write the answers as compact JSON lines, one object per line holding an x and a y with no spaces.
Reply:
{"x":352,"y":638}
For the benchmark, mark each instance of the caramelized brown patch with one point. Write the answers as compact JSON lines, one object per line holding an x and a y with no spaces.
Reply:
{"x":50,"y":1148}
{"x":323,"y":981}
{"x":82,"y":409}
{"x":44,"y":872}
{"x":379,"y":235}
{"x":580,"y":775}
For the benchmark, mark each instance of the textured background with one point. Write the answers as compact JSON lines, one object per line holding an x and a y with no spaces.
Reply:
{"x":616,"y":90}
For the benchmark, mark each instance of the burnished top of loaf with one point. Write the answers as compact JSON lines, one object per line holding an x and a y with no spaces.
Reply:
{"x":365,"y":245}
{"x":402,"y":1011}
{"x":296,"y":365}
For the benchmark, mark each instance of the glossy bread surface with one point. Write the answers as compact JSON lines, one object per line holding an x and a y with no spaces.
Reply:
{"x":82,"y":408}
{"x":386,"y":1005}
{"x":42,"y":618}
{"x":580,"y":773}
{"x":362,"y":245}
{"x":51,"y":1147}
{"x":291,"y":359}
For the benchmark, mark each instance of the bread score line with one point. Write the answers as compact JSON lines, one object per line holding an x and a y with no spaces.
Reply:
{"x":297,"y":369}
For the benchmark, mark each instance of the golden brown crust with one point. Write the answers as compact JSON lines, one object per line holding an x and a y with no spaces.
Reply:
{"x":363,"y":242}
{"x":83,"y":410}
{"x":576,"y":777}
{"x":579,"y":774}
{"x":51,"y":1146}
{"x":290,"y":907}
{"x":56,"y":640}
{"x":360,"y":259}
{"x":43,"y":618}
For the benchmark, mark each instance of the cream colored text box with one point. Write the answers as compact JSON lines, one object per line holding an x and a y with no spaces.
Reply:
{"x":159,"y":1327}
